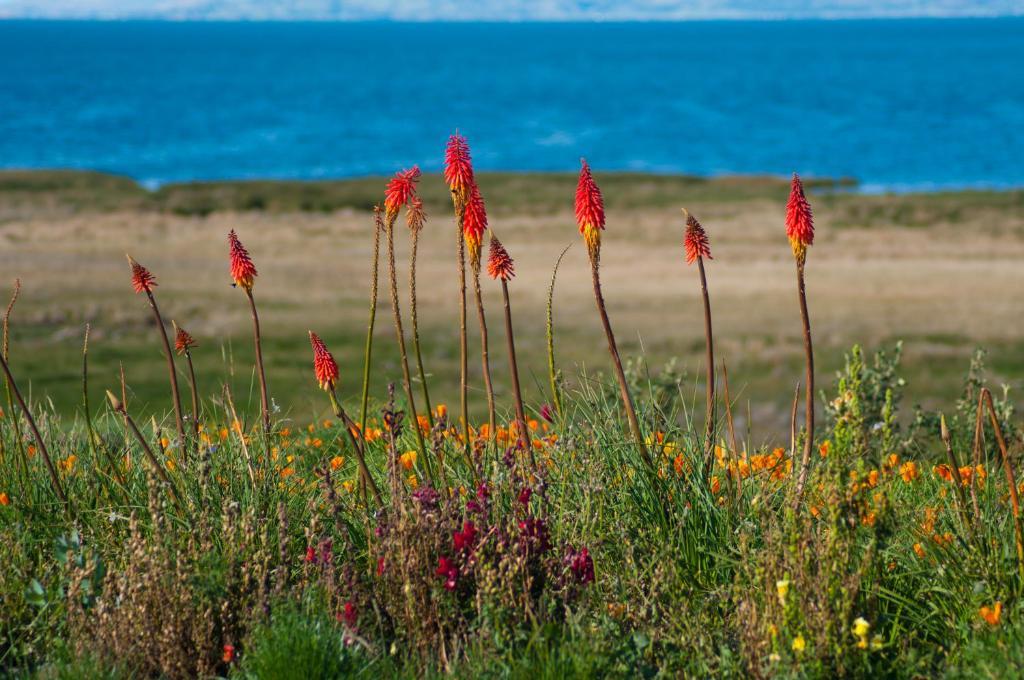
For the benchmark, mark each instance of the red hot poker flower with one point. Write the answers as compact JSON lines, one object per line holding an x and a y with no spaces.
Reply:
{"x":324,"y":365}
{"x":799,"y":219}
{"x":142,"y":280}
{"x":589,"y":208}
{"x":243,"y":271}
{"x":499,"y":263}
{"x":458,"y":169}
{"x":474,"y":222}
{"x":183,"y":341}
{"x":696,"y":240}
{"x":400,"y":190}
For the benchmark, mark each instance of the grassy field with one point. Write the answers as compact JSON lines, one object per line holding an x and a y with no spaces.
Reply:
{"x":936,"y":271}
{"x":585,"y":552}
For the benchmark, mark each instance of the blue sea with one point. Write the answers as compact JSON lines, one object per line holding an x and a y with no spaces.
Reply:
{"x":896,"y":104}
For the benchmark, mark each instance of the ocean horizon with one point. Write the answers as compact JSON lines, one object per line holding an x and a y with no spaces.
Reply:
{"x":896,"y":104}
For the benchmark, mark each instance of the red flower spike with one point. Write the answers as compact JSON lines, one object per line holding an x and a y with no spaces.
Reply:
{"x":696,"y":240}
{"x":400,"y":190}
{"x":474,"y":222}
{"x":458,"y":168}
{"x":243,"y":271}
{"x":799,"y":219}
{"x":183,"y":341}
{"x":142,"y":280}
{"x":324,"y":365}
{"x":589,"y":208}
{"x":416,"y":216}
{"x":499,"y":263}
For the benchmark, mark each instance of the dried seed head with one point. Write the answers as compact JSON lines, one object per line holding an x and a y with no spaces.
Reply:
{"x":499,"y":263}
{"x":416,"y":216}
{"x":458,"y":169}
{"x":400,"y":190}
{"x":324,"y":365}
{"x":696,"y":240}
{"x":142,"y":280}
{"x":799,"y":220}
{"x":243,"y":271}
{"x":589,"y":209}
{"x":474,"y":223}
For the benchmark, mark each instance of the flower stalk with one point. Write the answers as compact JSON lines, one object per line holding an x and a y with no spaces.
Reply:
{"x":416,"y":218}
{"x":697,"y":248}
{"x":1011,"y":479}
{"x":378,"y":227}
{"x":398,"y":193}
{"x":590,"y":218}
{"x":144,"y":282}
{"x":118,"y":406}
{"x":800,"y":231}
{"x":501,"y":267}
{"x":326,"y":370}
{"x":243,"y":273}
{"x":458,"y":174}
{"x":183,"y":344}
{"x":473,"y":226}
{"x":45,"y":452}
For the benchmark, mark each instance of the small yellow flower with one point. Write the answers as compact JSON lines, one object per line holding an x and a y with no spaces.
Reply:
{"x":412,"y":481}
{"x":164,"y":442}
{"x":799,"y":644}
{"x":348,"y":485}
{"x":782,"y":588}
{"x":337,"y":462}
{"x":861,"y":628}
{"x":908,"y":471}
{"x":876,"y":643}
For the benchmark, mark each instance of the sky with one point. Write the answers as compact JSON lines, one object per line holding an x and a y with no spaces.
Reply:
{"x":500,"y":10}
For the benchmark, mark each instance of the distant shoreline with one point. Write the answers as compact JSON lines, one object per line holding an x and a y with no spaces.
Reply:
{"x":47,"y":191}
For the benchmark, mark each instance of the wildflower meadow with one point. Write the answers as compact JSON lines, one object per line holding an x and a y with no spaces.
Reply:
{"x":612,"y":527}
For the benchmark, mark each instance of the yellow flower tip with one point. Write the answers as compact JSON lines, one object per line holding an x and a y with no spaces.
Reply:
{"x":799,"y":644}
{"x":782,"y":589}
{"x":861,"y":628}
{"x":799,"y":250}
{"x":592,"y":236}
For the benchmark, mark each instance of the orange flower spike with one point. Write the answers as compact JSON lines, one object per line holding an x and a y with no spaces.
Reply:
{"x":474,"y":223}
{"x":696,"y":240}
{"x":183,"y":341}
{"x":324,"y":365}
{"x":400,"y":190}
{"x":458,"y":169}
{"x":499,"y":263}
{"x":142,"y":280}
{"x":799,"y":220}
{"x":589,"y":209}
{"x":243,"y":271}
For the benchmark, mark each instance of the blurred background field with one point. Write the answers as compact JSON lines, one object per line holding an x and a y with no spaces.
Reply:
{"x":939,"y":271}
